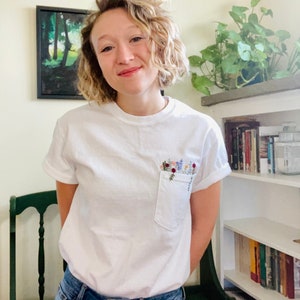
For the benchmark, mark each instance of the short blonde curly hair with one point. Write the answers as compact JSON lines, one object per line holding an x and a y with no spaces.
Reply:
{"x":167,"y":50}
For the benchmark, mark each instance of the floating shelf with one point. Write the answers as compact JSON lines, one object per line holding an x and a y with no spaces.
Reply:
{"x":266,"y":87}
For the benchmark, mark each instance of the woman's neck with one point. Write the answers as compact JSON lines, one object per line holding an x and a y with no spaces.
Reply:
{"x":142,"y":105}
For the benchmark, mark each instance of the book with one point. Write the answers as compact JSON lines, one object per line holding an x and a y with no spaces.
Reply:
{"x":277,"y":270}
{"x":234,"y":149}
{"x":297,"y":278}
{"x":241,"y":147}
{"x":254,"y":260}
{"x":253,"y":149}
{"x":282,"y":274}
{"x":290,"y":291}
{"x":247,"y":150}
{"x":270,"y":271}
{"x":233,"y":129}
{"x":262,"y":257}
{"x":271,"y":158}
{"x":242,"y":257}
{"x":264,"y":132}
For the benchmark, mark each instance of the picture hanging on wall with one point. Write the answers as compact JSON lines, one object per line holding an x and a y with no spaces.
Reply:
{"x":58,"y":46}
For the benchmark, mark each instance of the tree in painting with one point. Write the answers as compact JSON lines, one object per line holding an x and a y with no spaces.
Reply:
{"x":60,"y":45}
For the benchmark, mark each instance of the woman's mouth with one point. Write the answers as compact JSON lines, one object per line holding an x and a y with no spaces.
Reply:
{"x":128,"y":72}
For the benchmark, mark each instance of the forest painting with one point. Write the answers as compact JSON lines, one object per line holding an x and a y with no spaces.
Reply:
{"x":58,"y":45}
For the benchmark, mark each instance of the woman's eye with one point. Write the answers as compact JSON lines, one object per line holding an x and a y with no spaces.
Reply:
{"x":106,"y":49}
{"x":137,"y":39}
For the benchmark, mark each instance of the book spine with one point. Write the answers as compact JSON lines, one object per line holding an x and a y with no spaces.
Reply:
{"x":254,"y":258}
{"x":290,"y":291}
{"x":262,"y":257}
{"x":297,"y":278}
{"x":242,"y":257}
{"x":235,"y":149}
{"x":269,"y":275}
{"x":277,"y":270}
{"x":282,"y":274}
{"x":253,"y":150}
{"x":248,"y":150}
{"x":271,"y":160}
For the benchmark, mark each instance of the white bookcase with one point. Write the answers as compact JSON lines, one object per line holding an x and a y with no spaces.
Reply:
{"x":262,"y":207}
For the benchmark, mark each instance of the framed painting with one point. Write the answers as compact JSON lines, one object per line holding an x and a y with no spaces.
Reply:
{"x":58,"y":45}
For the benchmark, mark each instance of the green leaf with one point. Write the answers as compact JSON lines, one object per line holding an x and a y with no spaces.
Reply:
{"x":274,"y":48}
{"x":269,"y":32}
{"x":262,"y":31}
{"x":253,"y":18}
{"x":244,"y":51}
{"x":221,"y":26}
{"x":201,"y":83}
{"x":238,"y":14}
{"x":229,"y":65}
{"x":239,"y":10}
{"x":260,"y":47}
{"x":234,"y":36}
{"x":266,"y":12}
{"x":196,"y":61}
{"x":211,"y":54}
{"x":282,"y":35}
{"x":254,"y":2}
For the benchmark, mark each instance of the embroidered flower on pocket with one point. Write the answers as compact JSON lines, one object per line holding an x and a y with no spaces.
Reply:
{"x":178,"y":167}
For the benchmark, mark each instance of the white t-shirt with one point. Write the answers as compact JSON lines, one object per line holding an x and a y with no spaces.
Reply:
{"x":129,"y":227}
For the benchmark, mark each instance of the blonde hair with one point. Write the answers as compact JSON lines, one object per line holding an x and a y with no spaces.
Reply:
{"x":167,"y":50}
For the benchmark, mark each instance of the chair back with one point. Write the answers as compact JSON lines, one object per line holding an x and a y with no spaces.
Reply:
{"x":40,"y":201}
{"x":209,"y":287}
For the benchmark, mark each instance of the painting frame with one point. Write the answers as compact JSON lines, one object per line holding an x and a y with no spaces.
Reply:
{"x":58,"y":29}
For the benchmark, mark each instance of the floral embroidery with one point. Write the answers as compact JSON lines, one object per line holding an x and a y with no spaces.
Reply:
{"x":179,"y":167}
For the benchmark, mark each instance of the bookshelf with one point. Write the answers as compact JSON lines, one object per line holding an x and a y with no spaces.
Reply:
{"x":270,"y":233}
{"x":263,"y":207}
{"x":293,"y":181}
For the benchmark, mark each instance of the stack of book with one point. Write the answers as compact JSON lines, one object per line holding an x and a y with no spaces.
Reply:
{"x":268,"y":267}
{"x":250,"y":146}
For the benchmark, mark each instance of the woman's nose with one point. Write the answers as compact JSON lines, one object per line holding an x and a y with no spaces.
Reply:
{"x":125,"y":54}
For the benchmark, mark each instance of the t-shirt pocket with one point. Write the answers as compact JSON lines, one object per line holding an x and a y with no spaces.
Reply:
{"x":173,"y":199}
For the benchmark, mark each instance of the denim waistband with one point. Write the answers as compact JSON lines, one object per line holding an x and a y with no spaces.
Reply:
{"x":73,"y":288}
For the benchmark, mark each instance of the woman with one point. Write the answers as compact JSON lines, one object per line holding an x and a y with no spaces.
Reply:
{"x":138,"y":174}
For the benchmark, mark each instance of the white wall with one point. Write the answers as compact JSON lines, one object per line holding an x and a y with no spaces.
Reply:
{"x":26,"y":123}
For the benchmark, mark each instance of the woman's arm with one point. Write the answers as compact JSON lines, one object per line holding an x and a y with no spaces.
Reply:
{"x":204,"y":208}
{"x":65,"y":193}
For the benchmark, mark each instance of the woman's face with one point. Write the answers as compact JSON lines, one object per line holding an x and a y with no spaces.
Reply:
{"x":123,"y":54}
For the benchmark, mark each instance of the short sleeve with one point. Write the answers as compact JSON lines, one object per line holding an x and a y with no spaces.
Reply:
{"x":214,"y":164}
{"x":57,"y":163}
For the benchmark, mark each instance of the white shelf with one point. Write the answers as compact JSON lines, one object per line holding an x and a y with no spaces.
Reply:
{"x":283,"y":101}
{"x":287,"y":180}
{"x":270,"y":233}
{"x":252,"y":288}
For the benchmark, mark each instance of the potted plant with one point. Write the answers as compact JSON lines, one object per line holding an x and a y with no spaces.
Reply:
{"x":248,"y":55}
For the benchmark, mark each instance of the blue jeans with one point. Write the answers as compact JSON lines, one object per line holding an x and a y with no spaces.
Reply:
{"x":71,"y":288}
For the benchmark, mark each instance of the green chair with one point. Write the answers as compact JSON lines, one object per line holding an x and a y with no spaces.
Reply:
{"x":209,"y":287}
{"x":40,"y":201}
